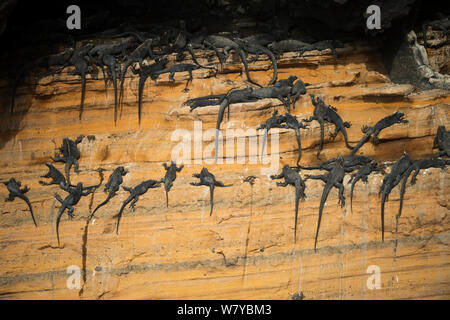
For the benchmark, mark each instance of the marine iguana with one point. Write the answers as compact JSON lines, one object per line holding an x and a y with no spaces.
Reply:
{"x":257,"y":49}
{"x":291,"y":122}
{"x":289,"y":45}
{"x":60,"y":59}
{"x":297,"y":90}
{"x":169,"y":178}
{"x":333,"y":179}
{"x":15,"y":191}
{"x":233,"y":96}
{"x":135,"y":192}
{"x":145,"y":72}
{"x":350,"y":162}
{"x":442,"y":141}
{"x":70,"y":155}
{"x":55,"y":174}
{"x":182,"y":67}
{"x":327,"y":113}
{"x":325,"y":44}
{"x":143,"y":51}
{"x":390,"y":181}
{"x":363,"y":174}
{"x":226,"y":44}
{"x":112,"y":186}
{"x":209,"y":180}
{"x":75,"y":194}
{"x":416,"y":167}
{"x":275,"y":121}
{"x":211,"y":100}
{"x":80,"y":62}
{"x":293,"y":178}
{"x":396,"y":117}
{"x":279,"y":92}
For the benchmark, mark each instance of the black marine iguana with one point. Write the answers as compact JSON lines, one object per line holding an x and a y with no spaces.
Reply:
{"x":209,"y":180}
{"x":416,"y":167}
{"x":80,"y":62}
{"x":226,"y":44}
{"x":333,"y":179}
{"x":75,"y":194}
{"x":135,"y":192}
{"x":396,"y":117}
{"x":211,"y":100}
{"x":257,"y":49}
{"x":442,"y":141}
{"x":112,"y":186}
{"x":16,"y":192}
{"x":278,"y":91}
{"x":233,"y":96}
{"x":275,"y":121}
{"x":182,"y":67}
{"x":350,"y":162}
{"x":290,"y":45}
{"x":293,"y":178}
{"x":363,"y":174}
{"x":327,"y":113}
{"x":145,"y":72}
{"x":70,"y":155}
{"x":390,"y":181}
{"x":56,"y":175}
{"x":291,"y":122}
{"x":169,"y":178}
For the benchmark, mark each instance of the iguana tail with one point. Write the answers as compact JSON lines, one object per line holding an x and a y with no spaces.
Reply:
{"x":264,"y":143}
{"x":114,"y":79}
{"x":242,"y":55}
{"x":322,"y":129}
{"x":110,"y":195}
{"x":24,"y":198}
{"x":361,"y":142}
{"x":297,"y":199}
{"x":274,"y":64}
{"x":344,"y":132}
{"x":351,"y":193}
{"x":142,"y":79}
{"x":402,"y":191}
{"x":325,"y":193}
{"x":127,"y":201}
{"x":223,"y":105}
{"x":299,"y":143}
{"x":122,"y":79}
{"x":83,"y":90}
{"x":383,"y":201}
{"x":211,"y":195}
{"x":58,"y":219}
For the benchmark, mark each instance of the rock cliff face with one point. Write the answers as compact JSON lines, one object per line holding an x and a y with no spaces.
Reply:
{"x":246,"y":248}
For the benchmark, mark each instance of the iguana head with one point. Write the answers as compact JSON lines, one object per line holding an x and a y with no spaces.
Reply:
{"x":440,"y":130}
{"x":122,"y":170}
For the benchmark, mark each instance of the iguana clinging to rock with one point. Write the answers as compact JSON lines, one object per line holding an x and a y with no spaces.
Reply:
{"x":396,"y":117}
{"x":442,"y":141}
{"x":334,"y":179}
{"x":324,"y":113}
{"x":75,"y":194}
{"x":135,"y":192}
{"x":209,"y":180}
{"x":416,"y":167}
{"x":390,"y":181}
{"x":362,"y":174}
{"x":70,"y":155}
{"x":56,"y":175}
{"x":112,"y":186}
{"x":16,"y":192}
{"x":169,"y":178}
{"x":293,"y":178}
{"x":291,"y":122}
{"x":275,"y":121}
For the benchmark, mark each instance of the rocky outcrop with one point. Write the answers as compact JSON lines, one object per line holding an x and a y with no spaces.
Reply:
{"x":246,"y":248}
